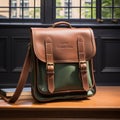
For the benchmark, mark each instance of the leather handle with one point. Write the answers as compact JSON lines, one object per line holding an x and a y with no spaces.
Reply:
{"x":60,"y":23}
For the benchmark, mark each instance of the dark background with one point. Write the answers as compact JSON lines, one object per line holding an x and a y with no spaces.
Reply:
{"x":15,"y":36}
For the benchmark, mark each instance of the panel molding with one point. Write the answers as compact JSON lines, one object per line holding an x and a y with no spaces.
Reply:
{"x":111,"y":69}
{"x":19,"y":49}
{"x":105,"y":42}
{"x":3,"y":53}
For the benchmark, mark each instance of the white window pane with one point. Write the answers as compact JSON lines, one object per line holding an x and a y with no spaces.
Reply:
{"x":106,"y":3}
{"x":16,"y":13}
{"x":61,"y":13}
{"x":38,"y":3}
{"x":117,"y":3}
{"x":86,"y":3}
{"x":30,"y":3}
{"x":74,"y":13}
{"x":29,"y":13}
{"x":4,"y":12}
{"x":75,"y":3}
{"x":26,"y":13}
{"x":13,"y":3}
{"x":94,"y":13}
{"x":4,"y":3}
{"x":26,"y":3}
{"x":86,"y":13}
{"x":37,"y":13}
{"x":61,"y":3}
{"x":106,"y":13}
{"x":94,"y":3}
{"x":117,"y":13}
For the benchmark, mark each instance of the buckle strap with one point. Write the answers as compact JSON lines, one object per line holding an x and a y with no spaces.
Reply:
{"x":49,"y":65}
{"x":82,"y":64}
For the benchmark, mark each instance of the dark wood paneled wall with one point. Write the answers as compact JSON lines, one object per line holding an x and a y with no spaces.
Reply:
{"x":13,"y":46}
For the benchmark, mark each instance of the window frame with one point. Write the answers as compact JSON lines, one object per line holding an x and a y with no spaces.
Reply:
{"x":106,"y":20}
{"x":69,"y":8}
{"x":85,"y":21}
{"x":23,"y":20}
{"x":112,"y":7}
{"x":48,"y":11}
{"x":98,"y":19}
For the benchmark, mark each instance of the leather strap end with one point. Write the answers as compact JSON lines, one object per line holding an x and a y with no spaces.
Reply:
{"x":50,"y":77}
{"x":51,"y":83}
{"x":85,"y":82}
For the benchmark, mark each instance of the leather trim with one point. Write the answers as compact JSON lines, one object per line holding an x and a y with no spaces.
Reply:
{"x":64,"y":42}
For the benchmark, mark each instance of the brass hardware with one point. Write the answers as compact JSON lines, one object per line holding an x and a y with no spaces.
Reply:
{"x":100,"y":20}
{"x":114,"y":20}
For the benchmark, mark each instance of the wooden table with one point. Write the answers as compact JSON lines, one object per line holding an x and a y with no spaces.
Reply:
{"x":104,"y":105}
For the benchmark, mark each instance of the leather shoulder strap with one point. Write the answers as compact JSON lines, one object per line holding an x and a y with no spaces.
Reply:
{"x":22,"y":79}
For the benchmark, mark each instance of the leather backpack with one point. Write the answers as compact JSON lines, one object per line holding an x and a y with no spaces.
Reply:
{"x":61,"y":62}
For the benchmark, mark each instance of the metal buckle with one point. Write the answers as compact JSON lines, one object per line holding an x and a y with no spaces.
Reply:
{"x":50,"y":68}
{"x":83,"y":66}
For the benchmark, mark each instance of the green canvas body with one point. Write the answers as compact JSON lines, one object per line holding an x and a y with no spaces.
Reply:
{"x":66,"y":79}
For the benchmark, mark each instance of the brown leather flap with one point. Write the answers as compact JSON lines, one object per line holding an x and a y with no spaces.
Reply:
{"x":64,"y":43}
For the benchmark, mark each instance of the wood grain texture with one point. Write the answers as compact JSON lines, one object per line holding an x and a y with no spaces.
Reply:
{"x":105,"y":104}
